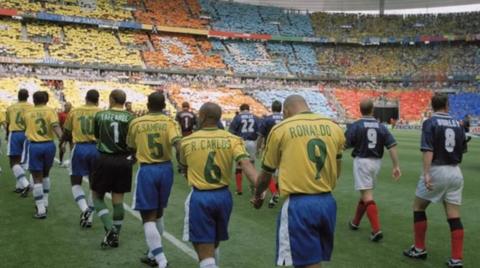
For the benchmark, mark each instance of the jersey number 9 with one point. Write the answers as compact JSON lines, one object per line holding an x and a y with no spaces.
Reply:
{"x":317,"y":153}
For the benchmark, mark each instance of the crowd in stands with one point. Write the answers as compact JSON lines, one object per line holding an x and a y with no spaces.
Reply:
{"x":316,"y":100}
{"x":465,"y":103}
{"x":238,"y":17}
{"x":343,"y":25}
{"x":400,"y":61}
{"x":14,"y":43}
{"x":9,"y":89}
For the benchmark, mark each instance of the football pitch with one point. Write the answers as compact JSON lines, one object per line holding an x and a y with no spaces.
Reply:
{"x":59,"y":241}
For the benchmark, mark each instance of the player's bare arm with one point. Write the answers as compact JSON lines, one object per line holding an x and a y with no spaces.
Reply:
{"x":249,"y":170}
{"x":396,"y":172}
{"x":261,"y":186}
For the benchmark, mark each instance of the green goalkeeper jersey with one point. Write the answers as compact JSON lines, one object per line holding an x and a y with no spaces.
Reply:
{"x":111,"y":128}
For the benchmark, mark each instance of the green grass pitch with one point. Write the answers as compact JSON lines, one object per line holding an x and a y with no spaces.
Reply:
{"x":59,"y":241}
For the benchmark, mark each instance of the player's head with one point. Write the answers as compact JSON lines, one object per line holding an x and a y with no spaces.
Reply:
{"x":366,"y":107}
{"x":440,"y":102}
{"x":276,"y":106}
{"x":22,"y":95}
{"x":294,"y":104}
{"x":92,"y":97}
{"x":67,"y":107}
{"x":244,"y":107}
{"x":117,"y":98}
{"x":185,"y":106}
{"x":40,"y":98}
{"x":156,"y":102}
{"x":209,"y":114}
{"x":128,"y":106}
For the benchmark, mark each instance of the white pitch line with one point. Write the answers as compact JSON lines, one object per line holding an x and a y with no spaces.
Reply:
{"x":171,"y":238}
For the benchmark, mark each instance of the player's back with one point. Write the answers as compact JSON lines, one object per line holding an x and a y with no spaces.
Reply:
{"x":15,"y":115}
{"x":187,"y":121}
{"x":210,"y":155}
{"x":39,"y":122}
{"x":245,"y":125}
{"x":310,"y":145}
{"x":368,"y":137}
{"x":268,"y":123}
{"x":80,"y":122}
{"x":445,"y":137}
{"x":153,"y":136}
{"x":111,"y":128}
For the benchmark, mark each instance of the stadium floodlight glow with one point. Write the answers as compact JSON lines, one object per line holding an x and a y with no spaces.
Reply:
{"x":17,"y":17}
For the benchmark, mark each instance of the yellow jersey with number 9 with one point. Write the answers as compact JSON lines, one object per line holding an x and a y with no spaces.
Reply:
{"x":15,"y":115}
{"x":153,"y":136}
{"x":80,"y":123}
{"x":39,"y":122}
{"x":209,"y":155}
{"x":305,"y":148}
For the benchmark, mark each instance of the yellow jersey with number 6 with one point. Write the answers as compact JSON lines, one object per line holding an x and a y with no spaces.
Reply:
{"x":305,"y":148}
{"x":209,"y":155}
{"x":15,"y":115}
{"x":80,"y":123}
{"x":39,"y":122}
{"x":153,"y":136}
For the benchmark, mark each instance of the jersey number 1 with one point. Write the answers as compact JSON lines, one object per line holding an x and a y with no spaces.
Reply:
{"x":317,"y":153}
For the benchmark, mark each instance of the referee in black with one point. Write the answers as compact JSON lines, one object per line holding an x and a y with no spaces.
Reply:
{"x":113,"y":168}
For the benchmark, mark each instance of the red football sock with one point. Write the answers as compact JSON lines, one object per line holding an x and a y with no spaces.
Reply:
{"x":420,"y":228}
{"x":372,"y":214}
{"x":273,"y":186}
{"x":359,"y":213}
{"x":456,"y":229}
{"x":238,"y":178}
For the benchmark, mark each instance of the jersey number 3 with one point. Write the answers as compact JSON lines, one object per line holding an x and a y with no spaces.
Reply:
{"x":317,"y":153}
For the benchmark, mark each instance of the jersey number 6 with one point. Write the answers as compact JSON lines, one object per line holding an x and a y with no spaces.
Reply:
{"x":212,"y":172}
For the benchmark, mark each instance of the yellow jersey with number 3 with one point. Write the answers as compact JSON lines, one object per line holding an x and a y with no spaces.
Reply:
{"x":209,"y":155}
{"x":153,"y":136}
{"x":39,"y":122}
{"x":80,"y":123}
{"x":15,"y":115}
{"x":305,"y":148}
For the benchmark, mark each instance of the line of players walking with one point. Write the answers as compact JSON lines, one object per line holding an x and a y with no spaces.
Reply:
{"x":302,"y":152}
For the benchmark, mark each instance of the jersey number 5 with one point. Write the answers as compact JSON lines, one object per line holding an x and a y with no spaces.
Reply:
{"x":156,"y":149}
{"x":212,"y":172}
{"x":317,"y":153}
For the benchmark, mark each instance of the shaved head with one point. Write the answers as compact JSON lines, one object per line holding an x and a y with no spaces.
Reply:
{"x":294,"y":104}
{"x":209,"y":114}
{"x":117,"y":97}
{"x":67,"y":107}
{"x":366,"y":107}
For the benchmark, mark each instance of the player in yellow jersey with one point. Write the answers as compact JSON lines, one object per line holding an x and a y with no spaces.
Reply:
{"x":152,"y":136}
{"x":209,"y":155}
{"x":307,"y":150}
{"x":15,"y":126}
{"x":78,"y":128}
{"x":41,"y":124}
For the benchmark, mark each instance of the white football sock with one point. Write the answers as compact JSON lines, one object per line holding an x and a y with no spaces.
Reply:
{"x":154,"y":242}
{"x":208,"y":263}
{"x":19,"y":173}
{"x":46,"y":190}
{"x":38,"y":196}
{"x":217,"y":255}
{"x":79,"y":197}
{"x":160,"y":225}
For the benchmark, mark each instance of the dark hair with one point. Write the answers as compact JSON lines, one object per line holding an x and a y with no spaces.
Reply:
{"x":118,"y":96}
{"x":23,"y":94}
{"x":244,"y":107}
{"x":185,"y":105}
{"x":439,"y":101}
{"x":156,"y":102}
{"x":92,"y":96}
{"x":40,"y":97}
{"x":276,"y":106}
{"x":366,"y":107}
{"x":211,"y":111}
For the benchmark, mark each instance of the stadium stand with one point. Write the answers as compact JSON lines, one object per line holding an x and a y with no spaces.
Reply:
{"x":343,"y":25}
{"x":465,"y":103}
{"x":9,"y":88}
{"x":236,"y":17}
{"x":14,"y":42}
{"x":229,"y":99}
{"x":316,"y":100}
{"x":180,"y":13}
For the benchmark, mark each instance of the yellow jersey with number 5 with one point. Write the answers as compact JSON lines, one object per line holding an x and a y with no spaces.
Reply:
{"x":305,"y":148}
{"x":80,"y":123}
{"x":153,"y":136}
{"x":15,"y":115}
{"x":209,"y":155}
{"x":39,"y":122}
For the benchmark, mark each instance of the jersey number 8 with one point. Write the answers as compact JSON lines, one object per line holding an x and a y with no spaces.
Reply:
{"x":449,"y":140}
